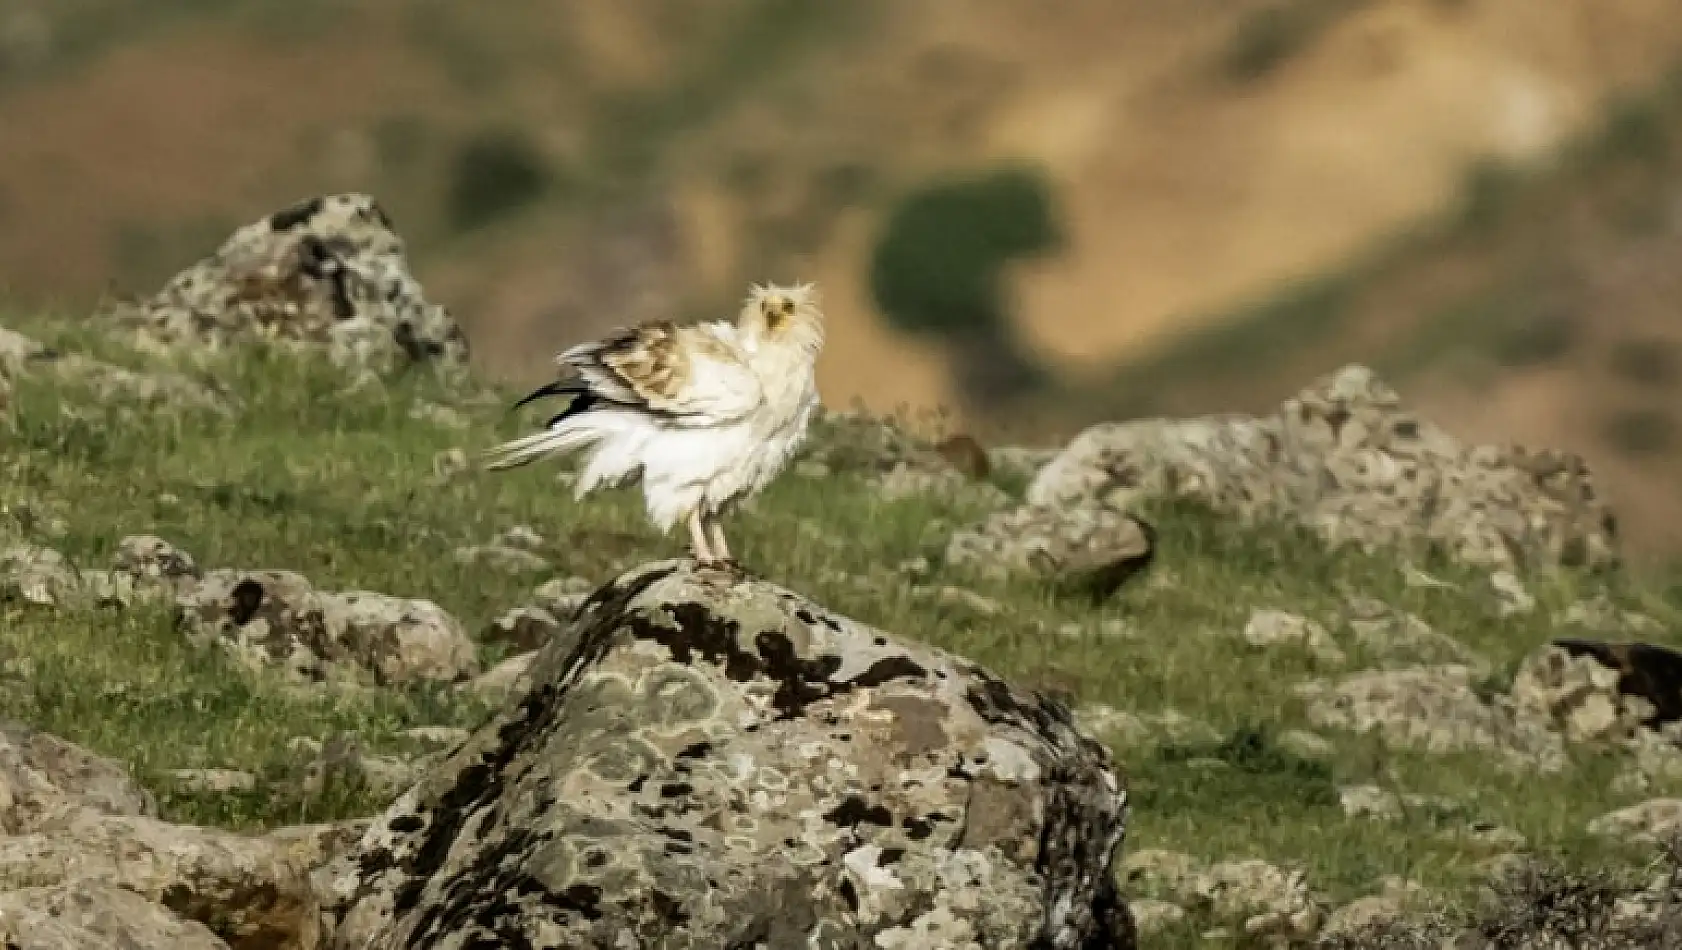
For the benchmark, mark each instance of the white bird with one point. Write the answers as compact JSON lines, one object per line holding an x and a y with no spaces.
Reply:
{"x":705,"y":415}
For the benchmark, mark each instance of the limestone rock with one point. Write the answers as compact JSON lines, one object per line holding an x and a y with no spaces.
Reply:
{"x":1268,"y":627}
{"x":244,"y":889}
{"x":342,"y":763}
{"x":1626,"y":694}
{"x":1094,"y":549}
{"x":1151,"y":917}
{"x":276,"y":617}
{"x":1434,"y":709}
{"x":502,"y":557}
{"x":701,"y":762}
{"x":523,"y":628}
{"x":1653,"y":820}
{"x":1272,"y":904}
{"x":85,"y":916}
{"x":212,"y":781}
{"x":145,"y":557}
{"x":43,"y":776}
{"x":37,"y":575}
{"x":1400,"y":637}
{"x":503,"y":680}
{"x":330,"y":273}
{"x":1349,"y":461}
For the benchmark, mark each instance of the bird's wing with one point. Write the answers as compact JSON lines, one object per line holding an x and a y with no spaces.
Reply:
{"x":693,"y":375}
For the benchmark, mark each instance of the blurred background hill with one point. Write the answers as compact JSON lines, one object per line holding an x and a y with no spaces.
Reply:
{"x":1038,"y":216}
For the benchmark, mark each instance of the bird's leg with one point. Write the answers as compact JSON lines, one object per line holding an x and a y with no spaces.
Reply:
{"x":698,"y":540}
{"x":716,"y":535}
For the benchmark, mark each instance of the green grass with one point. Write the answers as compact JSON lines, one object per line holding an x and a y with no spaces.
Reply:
{"x":342,"y":489}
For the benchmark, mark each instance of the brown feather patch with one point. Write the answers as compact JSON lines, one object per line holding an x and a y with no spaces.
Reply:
{"x":650,"y":360}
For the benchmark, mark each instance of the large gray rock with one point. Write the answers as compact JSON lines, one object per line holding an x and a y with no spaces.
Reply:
{"x":277,"y":618}
{"x":1346,"y":458}
{"x":706,"y":762}
{"x":329,"y":273}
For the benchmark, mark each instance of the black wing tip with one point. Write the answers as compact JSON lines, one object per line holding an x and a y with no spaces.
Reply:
{"x":550,"y":389}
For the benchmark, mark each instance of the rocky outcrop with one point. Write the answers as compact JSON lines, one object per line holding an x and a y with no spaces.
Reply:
{"x":1347,"y":459}
{"x":83,"y":863}
{"x":277,"y":618}
{"x":330,"y":273}
{"x":1433,"y":709}
{"x":707,"y":761}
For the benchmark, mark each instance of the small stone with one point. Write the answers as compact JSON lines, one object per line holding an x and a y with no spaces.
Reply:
{"x":441,"y":416}
{"x":212,"y":781}
{"x":1306,"y":745}
{"x":523,"y":628}
{"x":1267,"y":628}
{"x":501,"y":557}
{"x":967,"y":601}
{"x":37,"y":575}
{"x":501,"y":680}
{"x":438,"y":737}
{"x":521,"y":536}
{"x":1511,"y":597}
{"x":448,"y":464}
{"x":1152,"y":917}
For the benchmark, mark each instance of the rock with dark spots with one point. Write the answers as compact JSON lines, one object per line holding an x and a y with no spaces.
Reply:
{"x":1348,"y":460}
{"x":1090,"y":550}
{"x":276,"y":618}
{"x":1622,"y":693}
{"x":704,"y":762}
{"x":153,"y":560}
{"x":328,"y":274}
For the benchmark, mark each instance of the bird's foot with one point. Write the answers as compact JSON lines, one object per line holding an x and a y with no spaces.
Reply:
{"x":726,"y":565}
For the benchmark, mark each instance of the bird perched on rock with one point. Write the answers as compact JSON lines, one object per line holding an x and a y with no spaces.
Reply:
{"x":705,"y":415}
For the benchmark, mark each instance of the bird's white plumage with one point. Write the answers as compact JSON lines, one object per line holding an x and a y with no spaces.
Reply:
{"x":703,"y":415}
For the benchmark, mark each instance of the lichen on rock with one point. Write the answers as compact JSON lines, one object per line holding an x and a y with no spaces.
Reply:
{"x":329,"y":273}
{"x":698,"y":761}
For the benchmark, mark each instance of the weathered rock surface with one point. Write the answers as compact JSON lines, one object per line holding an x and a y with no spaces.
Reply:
{"x":1435,"y":709}
{"x":84,"y":916}
{"x":84,"y":864}
{"x":1347,"y":459}
{"x":1092,"y":549}
{"x":277,"y":618}
{"x":43,"y":776}
{"x":329,"y":273}
{"x":898,"y":462}
{"x":707,"y":762}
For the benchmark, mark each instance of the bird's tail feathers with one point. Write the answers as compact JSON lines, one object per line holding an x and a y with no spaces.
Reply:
{"x":561,"y":439}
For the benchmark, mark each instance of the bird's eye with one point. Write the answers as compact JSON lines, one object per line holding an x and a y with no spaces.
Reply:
{"x":788,"y":306}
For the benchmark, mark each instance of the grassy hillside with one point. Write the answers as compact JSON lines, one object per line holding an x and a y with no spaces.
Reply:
{"x":342,"y":487}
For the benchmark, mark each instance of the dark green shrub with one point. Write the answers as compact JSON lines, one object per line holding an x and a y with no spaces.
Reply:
{"x":937,"y":269}
{"x":494,"y":173}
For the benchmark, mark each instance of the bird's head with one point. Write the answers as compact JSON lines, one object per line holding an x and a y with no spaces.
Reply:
{"x":779,"y":314}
